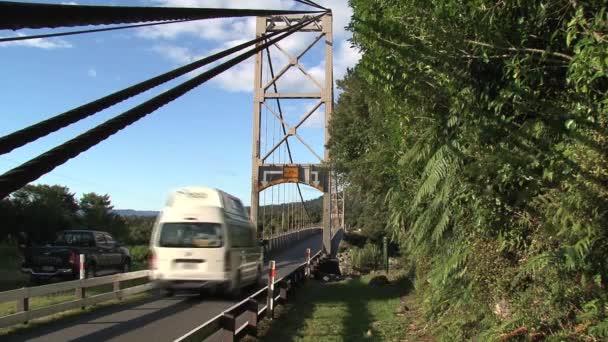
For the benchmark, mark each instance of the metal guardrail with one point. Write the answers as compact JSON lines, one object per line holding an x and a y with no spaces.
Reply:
{"x":226,"y":322}
{"x":283,"y":240}
{"x":22,"y":296}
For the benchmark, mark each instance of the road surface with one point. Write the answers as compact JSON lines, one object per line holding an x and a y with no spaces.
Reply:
{"x":155,"y":318}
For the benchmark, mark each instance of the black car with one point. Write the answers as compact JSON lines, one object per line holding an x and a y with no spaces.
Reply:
{"x":61,"y":258}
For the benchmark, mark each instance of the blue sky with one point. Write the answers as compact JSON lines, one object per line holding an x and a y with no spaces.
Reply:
{"x":203,"y":138}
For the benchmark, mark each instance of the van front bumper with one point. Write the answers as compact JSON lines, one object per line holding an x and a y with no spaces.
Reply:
{"x":189,"y":281}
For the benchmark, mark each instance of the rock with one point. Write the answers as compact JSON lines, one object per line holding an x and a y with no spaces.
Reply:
{"x":402,"y":309}
{"x":378,"y":281}
{"x":501,"y":309}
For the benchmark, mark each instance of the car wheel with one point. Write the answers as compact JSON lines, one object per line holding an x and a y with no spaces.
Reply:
{"x":35,"y":281}
{"x":91,"y":271}
{"x":126,"y":266}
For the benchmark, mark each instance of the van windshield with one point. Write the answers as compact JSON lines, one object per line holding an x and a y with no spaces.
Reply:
{"x":191,"y":235}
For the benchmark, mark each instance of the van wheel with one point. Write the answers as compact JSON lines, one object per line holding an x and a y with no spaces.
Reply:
{"x":236,"y":291}
{"x":258,"y":277}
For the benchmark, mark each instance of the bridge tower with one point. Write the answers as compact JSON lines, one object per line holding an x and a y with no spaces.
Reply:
{"x":317,"y":175}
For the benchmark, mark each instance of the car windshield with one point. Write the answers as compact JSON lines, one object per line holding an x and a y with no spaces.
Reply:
{"x":81,"y":239}
{"x":191,"y":235}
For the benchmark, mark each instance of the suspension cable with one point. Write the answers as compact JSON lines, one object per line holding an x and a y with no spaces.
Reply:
{"x":274,"y":84}
{"x":46,"y":162}
{"x":311,"y":3}
{"x":19,"y":15}
{"x":45,"y":127}
{"x":69,"y":33}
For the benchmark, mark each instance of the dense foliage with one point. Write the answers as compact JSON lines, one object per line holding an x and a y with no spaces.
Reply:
{"x":277,"y":218}
{"x":42,"y":210}
{"x":476,"y":133}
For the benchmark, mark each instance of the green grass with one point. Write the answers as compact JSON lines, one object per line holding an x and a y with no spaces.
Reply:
{"x":348,"y":310}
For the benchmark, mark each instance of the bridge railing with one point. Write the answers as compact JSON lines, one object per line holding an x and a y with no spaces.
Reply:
{"x":22,"y":296}
{"x":282,"y":240}
{"x":230,"y":324}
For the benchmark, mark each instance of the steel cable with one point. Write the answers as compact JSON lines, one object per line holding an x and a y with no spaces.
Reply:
{"x":46,"y":162}
{"x":310,"y":3}
{"x":60,"y":34}
{"x":274,"y":84}
{"x":19,"y":15}
{"x":26,"y":135}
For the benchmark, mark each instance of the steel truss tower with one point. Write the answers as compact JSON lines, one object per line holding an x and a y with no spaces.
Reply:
{"x":264,"y":174}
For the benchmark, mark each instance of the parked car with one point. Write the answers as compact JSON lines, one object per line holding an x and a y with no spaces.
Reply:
{"x":203,"y":239}
{"x":61,"y":258}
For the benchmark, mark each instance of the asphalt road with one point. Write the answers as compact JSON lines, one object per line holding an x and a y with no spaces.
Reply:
{"x":155,"y":318}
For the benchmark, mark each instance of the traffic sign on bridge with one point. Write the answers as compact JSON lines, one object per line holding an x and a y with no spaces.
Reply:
{"x":309,"y":174}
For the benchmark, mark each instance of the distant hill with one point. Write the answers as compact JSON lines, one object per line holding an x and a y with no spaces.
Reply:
{"x":131,"y":212}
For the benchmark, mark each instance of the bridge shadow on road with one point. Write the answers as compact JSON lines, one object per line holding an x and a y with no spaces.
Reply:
{"x":109,"y":322}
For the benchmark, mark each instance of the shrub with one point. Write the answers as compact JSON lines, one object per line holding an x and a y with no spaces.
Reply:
{"x":367,"y":258}
{"x":139,"y":254}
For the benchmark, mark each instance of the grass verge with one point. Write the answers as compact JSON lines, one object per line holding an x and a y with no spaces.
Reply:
{"x":348,"y":310}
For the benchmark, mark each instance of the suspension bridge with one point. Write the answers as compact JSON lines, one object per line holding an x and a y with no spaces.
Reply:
{"x":278,"y":206}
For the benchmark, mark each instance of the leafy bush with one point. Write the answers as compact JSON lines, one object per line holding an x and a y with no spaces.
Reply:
{"x":367,"y":258}
{"x":139,"y":254}
{"x":476,"y":133}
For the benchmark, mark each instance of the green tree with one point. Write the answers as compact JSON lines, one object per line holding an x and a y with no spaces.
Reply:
{"x":97,"y":215}
{"x":40,"y":211}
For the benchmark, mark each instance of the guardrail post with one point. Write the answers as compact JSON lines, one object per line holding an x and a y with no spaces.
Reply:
{"x":228,"y":324}
{"x":252,"y":317}
{"x":80,"y":290}
{"x":284,"y":286}
{"x":23,"y":304}
{"x":116,"y":289}
{"x":270,"y":300}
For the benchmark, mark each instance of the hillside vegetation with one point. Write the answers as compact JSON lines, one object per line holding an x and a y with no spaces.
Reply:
{"x":475,"y":134}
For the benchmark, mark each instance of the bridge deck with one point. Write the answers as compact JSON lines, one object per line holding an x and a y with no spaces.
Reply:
{"x":152,"y":319}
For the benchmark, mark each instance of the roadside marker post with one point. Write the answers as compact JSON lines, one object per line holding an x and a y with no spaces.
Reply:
{"x":271,"y":275}
{"x":80,"y":291}
{"x":81,"y":266}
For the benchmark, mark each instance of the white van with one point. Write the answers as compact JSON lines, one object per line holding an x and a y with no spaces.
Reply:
{"x":203,"y":239}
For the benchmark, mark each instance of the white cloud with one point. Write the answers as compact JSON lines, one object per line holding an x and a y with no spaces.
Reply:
{"x":69,"y":3}
{"x":173,"y":53}
{"x":316,"y":119}
{"x":229,"y":32}
{"x":41,"y":43}
{"x":92,"y":72}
